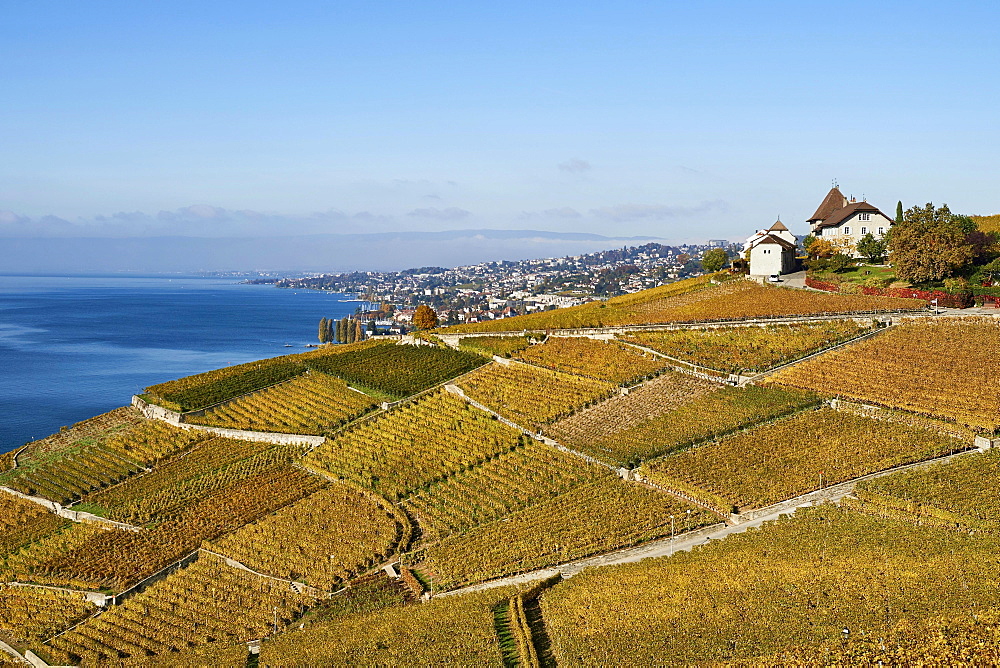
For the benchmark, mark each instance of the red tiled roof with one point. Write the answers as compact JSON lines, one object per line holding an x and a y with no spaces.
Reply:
{"x":837,"y":217}
{"x":834,"y":200}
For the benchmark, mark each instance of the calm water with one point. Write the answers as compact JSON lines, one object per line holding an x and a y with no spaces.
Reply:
{"x":71,"y":348}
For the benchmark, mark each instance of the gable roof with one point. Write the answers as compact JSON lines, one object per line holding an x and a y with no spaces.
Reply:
{"x":771,"y":239}
{"x":834,"y":200}
{"x":840,"y":215}
{"x":778,"y":227}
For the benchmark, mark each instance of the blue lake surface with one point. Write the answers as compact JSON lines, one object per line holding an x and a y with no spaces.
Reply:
{"x":74,"y":347}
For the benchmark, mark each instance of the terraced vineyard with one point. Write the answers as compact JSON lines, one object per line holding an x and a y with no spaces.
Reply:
{"x":513,"y":480}
{"x":212,"y":387}
{"x":206,"y":602}
{"x":23,"y":522}
{"x":694,"y":300}
{"x":86,"y":556}
{"x":794,"y":456}
{"x":795,"y":583}
{"x":398,"y":371}
{"x":615,"y":311}
{"x":93,"y":457}
{"x":324,"y":540}
{"x":504,"y":346}
{"x":748,"y":349}
{"x":603,"y":360}
{"x":599,"y":516}
{"x":961,"y":493}
{"x":913,"y":367}
{"x":309,"y":404}
{"x":414,"y":445}
{"x":30,"y":614}
{"x":448,"y":631}
{"x":457,"y":497}
{"x":207,"y":467}
{"x":531,"y":396}
{"x":670,"y":413}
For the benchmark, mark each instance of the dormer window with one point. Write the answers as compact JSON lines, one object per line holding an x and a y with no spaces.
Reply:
{"x":864,"y":216}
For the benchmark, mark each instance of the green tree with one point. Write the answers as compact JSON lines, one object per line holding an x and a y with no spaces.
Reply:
{"x":840,"y":261}
{"x":425,"y":317}
{"x":351,"y":331}
{"x":872,"y":248}
{"x":372,"y":327}
{"x":807,"y":242}
{"x":324,"y":331}
{"x":929,"y":245}
{"x":899,"y":211}
{"x":330,"y":325}
{"x":713,"y":260}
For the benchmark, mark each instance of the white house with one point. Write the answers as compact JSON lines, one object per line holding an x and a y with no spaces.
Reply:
{"x":844,"y":222}
{"x":771,"y":251}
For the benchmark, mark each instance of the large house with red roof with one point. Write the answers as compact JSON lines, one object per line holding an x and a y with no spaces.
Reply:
{"x":844,"y":222}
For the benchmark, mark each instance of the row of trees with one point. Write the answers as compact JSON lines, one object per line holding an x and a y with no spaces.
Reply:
{"x":345,"y":330}
{"x":349,"y":330}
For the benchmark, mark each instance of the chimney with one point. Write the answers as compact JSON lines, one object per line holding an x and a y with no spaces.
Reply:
{"x":853,"y":201}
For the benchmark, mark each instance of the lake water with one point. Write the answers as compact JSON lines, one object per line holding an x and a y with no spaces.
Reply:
{"x":74,"y":347}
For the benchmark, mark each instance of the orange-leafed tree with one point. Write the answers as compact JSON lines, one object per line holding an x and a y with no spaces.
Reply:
{"x":425,"y":317}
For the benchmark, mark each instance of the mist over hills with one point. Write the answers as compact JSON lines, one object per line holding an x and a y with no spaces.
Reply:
{"x":382,"y":251}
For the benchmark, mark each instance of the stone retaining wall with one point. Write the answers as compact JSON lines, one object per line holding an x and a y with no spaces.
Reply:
{"x":154,"y":412}
{"x":67,"y":513}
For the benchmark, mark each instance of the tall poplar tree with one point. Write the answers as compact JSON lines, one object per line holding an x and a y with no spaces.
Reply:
{"x":899,"y":212}
{"x":324,"y":331}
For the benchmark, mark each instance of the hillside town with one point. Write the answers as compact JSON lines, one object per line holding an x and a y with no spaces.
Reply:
{"x":494,"y":290}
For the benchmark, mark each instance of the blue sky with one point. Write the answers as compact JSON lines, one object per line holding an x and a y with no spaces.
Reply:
{"x":679,"y":120}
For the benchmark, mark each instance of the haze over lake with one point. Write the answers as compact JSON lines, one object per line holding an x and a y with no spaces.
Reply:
{"x":74,"y":347}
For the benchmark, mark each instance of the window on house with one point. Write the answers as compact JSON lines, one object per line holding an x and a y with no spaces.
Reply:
{"x":865,"y":216}
{"x":864,"y":230}
{"x":847,"y":230}
{"x":881,"y":230}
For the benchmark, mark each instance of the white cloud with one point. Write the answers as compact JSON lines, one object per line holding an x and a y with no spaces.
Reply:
{"x":199,"y":220}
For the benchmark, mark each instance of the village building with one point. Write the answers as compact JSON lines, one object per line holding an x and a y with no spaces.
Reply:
{"x":844,"y":222}
{"x":772,"y":251}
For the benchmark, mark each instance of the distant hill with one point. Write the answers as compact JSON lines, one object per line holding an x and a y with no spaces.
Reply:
{"x":385,"y":251}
